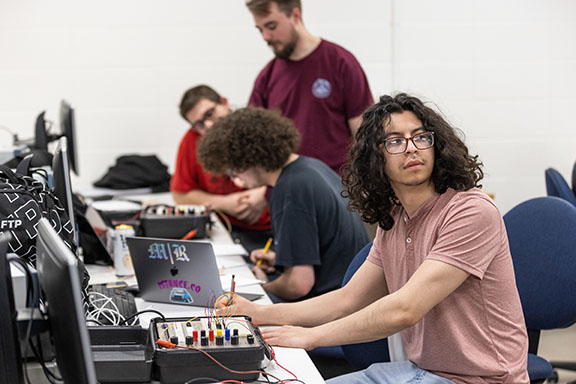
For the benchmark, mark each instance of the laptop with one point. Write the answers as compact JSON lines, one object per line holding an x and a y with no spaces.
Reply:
{"x":177,"y":271}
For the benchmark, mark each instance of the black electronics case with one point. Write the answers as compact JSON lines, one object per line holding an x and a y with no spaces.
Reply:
{"x":122,"y":354}
{"x":175,"y":222}
{"x":176,"y":366}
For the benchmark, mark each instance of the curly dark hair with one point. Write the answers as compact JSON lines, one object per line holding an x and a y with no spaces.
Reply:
{"x":367,"y":185}
{"x":248,"y":138}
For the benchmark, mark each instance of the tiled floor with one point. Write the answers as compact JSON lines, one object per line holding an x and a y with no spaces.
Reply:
{"x":559,"y":345}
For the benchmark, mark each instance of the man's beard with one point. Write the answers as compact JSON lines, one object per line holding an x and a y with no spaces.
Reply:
{"x":289,"y":47}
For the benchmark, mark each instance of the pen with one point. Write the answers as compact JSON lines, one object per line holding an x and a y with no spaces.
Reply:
{"x":232,"y":285}
{"x":266,"y":248}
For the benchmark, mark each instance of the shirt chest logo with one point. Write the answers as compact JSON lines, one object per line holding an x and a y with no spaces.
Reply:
{"x":321,"y":88}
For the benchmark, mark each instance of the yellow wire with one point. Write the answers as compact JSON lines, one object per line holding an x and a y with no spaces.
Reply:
{"x":224,"y":218}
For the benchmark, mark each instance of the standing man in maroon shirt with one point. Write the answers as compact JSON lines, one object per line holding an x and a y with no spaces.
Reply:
{"x":316,"y":83}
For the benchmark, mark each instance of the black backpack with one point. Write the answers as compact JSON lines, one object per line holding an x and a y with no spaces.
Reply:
{"x":23,"y":201}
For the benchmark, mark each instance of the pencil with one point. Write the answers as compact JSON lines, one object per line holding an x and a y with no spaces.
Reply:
{"x":266,"y":248}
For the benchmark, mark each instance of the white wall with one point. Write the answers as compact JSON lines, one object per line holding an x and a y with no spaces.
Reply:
{"x":503,"y":71}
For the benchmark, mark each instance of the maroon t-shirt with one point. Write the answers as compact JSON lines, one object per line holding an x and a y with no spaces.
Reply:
{"x":319,"y":93}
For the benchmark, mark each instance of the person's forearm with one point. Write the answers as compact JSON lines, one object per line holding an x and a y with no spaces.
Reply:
{"x":307,"y":313}
{"x":376,"y":321}
{"x":198,"y":197}
{"x":295,"y":283}
{"x":283,"y":288}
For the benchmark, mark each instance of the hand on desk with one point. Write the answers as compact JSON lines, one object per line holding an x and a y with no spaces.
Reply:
{"x":290,"y":336}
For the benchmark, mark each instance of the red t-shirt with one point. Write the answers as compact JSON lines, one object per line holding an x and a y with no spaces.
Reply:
{"x":319,"y":93}
{"x":190,"y":175}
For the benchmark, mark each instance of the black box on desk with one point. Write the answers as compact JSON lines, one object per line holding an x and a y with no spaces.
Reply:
{"x":175,"y":222}
{"x":179,"y":365}
{"x":122,"y":354}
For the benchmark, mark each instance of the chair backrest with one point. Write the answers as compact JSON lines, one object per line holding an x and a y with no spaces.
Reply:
{"x":356,"y":262}
{"x":574,"y":178}
{"x":557,"y":186}
{"x":362,"y":355}
{"x":542,"y":238}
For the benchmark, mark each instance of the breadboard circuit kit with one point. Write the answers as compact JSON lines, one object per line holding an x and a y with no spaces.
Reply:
{"x":185,"y":349}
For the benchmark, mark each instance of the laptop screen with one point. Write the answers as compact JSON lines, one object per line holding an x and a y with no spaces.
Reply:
{"x":175,"y":271}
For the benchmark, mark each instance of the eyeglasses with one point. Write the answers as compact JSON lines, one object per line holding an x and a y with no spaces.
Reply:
{"x":208,"y":115}
{"x":397,"y":145}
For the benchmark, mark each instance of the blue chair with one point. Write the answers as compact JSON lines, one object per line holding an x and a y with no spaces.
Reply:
{"x":362,"y":355}
{"x":542,"y":237}
{"x":574,"y":179}
{"x":557,"y":186}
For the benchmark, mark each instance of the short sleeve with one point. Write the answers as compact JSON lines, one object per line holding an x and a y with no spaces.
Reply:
{"x":185,"y":178}
{"x":357,"y":95}
{"x":257,"y":98}
{"x":375,"y":255}
{"x":470,"y":237}
{"x":296,"y":235}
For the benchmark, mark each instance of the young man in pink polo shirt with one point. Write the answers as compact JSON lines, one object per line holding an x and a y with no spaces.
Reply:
{"x":439,"y":272}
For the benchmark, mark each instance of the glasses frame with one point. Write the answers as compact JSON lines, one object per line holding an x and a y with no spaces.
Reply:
{"x":208,"y":115}
{"x":430,"y":134}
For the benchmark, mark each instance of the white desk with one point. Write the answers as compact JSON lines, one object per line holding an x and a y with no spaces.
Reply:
{"x":295,"y":360}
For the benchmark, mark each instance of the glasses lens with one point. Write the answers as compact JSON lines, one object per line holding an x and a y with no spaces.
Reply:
{"x":208,"y":114}
{"x":395,"y":145}
{"x":424,"y":140}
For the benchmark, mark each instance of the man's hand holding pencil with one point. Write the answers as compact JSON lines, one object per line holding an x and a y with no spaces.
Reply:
{"x":263,"y":260}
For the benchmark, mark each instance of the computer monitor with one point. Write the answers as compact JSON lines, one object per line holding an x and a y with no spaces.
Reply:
{"x":68,"y":127}
{"x":10,"y":356}
{"x":59,"y":279}
{"x":62,"y":183}
{"x":41,"y":137}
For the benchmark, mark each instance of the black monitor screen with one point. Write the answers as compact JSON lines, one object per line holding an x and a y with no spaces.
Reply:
{"x":40,"y":134}
{"x":62,"y":182}
{"x":60,"y":282}
{"x":68,"y":126}
{"x":11,"y":362}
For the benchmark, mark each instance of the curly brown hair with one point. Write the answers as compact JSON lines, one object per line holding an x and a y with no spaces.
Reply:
{"x":248,"y":138}
{"x":368,"y":187}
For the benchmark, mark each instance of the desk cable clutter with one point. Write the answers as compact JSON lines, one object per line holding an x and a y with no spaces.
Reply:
{"x":202,"y":349}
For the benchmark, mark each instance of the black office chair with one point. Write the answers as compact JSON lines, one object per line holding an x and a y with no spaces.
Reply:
{"x":362,"y":355}
{"x":557,"y":186}
{"x":542,"y":237}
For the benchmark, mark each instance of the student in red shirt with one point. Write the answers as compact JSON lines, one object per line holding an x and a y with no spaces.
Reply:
{"x":247,"y":209}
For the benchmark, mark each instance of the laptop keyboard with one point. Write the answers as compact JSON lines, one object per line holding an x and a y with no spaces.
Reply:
{"x":111,"y":306}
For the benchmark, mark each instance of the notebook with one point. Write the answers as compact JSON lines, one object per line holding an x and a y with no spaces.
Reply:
{"x":177,"y":271}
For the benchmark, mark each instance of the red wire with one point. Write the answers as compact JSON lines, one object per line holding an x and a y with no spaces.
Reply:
{"x":167,"y":344}
{"x":271,"y":350}
{"x":280,"y":365}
